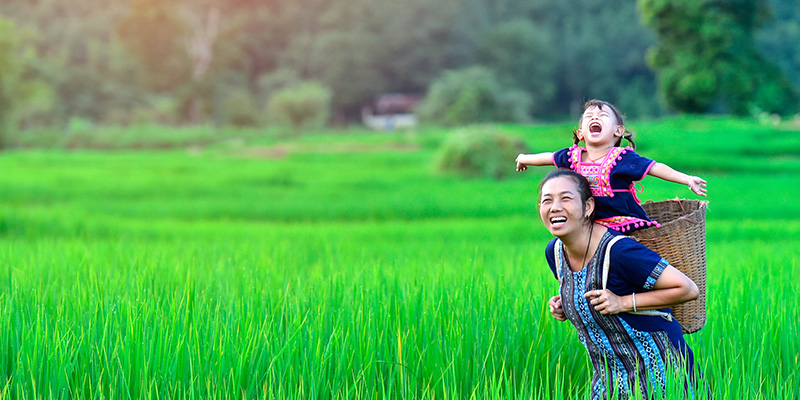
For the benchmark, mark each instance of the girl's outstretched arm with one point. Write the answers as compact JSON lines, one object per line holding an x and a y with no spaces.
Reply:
{"x":523,"y":160}
{"x":665,"y":172}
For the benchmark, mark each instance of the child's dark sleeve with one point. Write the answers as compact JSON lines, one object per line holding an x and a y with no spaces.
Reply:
{"x":632,"y":165}
{"x":561,"y":158}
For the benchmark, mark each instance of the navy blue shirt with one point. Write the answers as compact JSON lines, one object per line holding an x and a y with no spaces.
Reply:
{"x":611,"y":180}
{"x":633,"y":268}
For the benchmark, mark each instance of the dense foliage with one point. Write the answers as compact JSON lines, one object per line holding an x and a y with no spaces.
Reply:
{"x":305,"y":105}
{"x":707,"y":53}
{"x":21,"y":96}
{"x":473,"y":95}
{"x":182,"y":61}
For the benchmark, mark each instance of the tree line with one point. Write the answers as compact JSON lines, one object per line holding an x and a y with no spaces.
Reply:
{"x":221,"y":61}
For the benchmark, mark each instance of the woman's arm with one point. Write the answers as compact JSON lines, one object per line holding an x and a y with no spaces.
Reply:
{"x":523,"y":160}
{"x":671,"y":288}
{"x":665,"y":172}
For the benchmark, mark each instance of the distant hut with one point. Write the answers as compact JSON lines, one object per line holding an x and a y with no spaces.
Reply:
{"x":391,"y":111}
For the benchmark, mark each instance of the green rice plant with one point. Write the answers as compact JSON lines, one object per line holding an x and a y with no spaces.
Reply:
{"x":357,"y":274}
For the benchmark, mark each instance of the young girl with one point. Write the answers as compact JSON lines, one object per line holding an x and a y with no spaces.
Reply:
{"x":611,"y":169}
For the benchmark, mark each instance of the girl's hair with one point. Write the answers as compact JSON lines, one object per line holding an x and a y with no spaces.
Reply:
{"x":627,"y":135}
{"x":584,"y":190}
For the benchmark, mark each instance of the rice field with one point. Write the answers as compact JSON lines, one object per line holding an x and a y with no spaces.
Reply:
{"x":344,"y":267}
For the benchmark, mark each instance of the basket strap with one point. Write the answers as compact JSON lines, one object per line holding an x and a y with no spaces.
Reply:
{"x":558,"y":251}
{"x":607,"y":258}
{"x":607,"y":263}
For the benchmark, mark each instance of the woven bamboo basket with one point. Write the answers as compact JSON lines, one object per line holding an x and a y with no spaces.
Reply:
{"x":681,"y":240}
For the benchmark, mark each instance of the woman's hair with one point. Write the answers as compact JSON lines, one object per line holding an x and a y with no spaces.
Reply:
{"x":584,"y":190}
{"x":627,"y":135}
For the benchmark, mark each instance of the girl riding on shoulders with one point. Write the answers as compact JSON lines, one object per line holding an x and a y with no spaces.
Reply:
{"x":611,"y":169}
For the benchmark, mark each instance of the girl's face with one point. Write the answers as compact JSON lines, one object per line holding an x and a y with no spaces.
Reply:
{"x":599,"y":127}
{"x":561,"y":208}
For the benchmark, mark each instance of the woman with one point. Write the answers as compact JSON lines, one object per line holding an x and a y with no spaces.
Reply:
{"x":629,"y":352}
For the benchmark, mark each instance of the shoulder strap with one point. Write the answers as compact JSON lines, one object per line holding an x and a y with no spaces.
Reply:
{"x":607,"y":264}
{"x":607,"y":258}
{"x":558,"y":252}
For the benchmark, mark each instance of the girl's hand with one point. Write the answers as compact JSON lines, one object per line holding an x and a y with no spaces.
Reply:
{"x":605,"y":301}
{"x":555,"y":308}
{"x":697,"y":185}
{"x":520,"y":165}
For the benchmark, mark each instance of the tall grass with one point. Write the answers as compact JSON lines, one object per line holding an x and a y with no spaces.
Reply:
{"x":345,"y":275}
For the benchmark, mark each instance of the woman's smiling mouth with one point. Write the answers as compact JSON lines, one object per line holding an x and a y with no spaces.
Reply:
{"x":558,"y":221}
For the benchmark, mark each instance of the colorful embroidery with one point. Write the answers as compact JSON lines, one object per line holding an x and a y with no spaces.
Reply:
{"x":617,"y":208}
{"x":651,"y":280}
{"x":624,"y":223}
{"x":599,"y":174}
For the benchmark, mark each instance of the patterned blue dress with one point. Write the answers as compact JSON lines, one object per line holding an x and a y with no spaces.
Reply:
{"x":625,"y":350}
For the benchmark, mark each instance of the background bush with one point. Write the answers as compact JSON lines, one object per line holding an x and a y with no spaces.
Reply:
{"x":302,"y":106}
{"x":473,"y":95}
{"x":239,"y":110}
{"x":479,"y":151}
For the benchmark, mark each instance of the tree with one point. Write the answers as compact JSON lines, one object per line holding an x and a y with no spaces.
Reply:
{"x":522,"y":57}
{"x":778,"y":40}
{"x":78,"y":59}
{"x":176,"y":43}
{"x":10,"y":74}
{"x":707,"y":53}
{"x":20,"y":95}
{"x":473,"y":95}
{"x":153,"y":33}
{"x":361,"y":48}
{"x":343,"y":61}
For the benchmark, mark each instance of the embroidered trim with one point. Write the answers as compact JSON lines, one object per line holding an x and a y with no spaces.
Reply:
{"x":659,"y":268}
{"x":598,"y":174}
{"x":571,"y":155}
{"x":625,"y":223}
{"x":647,"y":171}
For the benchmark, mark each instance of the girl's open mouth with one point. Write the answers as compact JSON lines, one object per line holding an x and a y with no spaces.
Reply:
{"x":595,"y":127}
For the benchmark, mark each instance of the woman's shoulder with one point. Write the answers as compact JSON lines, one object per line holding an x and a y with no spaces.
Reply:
{"x":632,"y":265}
{"x":629,"y":254}
{"x":627,"y":247}
{"x":550,"y":249}
{"x":550,"y":255}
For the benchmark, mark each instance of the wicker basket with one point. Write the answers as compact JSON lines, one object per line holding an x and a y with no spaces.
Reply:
{"x":681,"y":240}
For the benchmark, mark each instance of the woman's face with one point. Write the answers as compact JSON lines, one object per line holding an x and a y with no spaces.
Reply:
{"x":560,"y":206}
